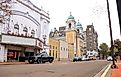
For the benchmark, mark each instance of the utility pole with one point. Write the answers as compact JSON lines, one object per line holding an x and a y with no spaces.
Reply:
{"x":112,"y":46}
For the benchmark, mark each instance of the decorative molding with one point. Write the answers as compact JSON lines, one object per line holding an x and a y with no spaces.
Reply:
{"x":32,"y":9}
{"x":15,"y":12}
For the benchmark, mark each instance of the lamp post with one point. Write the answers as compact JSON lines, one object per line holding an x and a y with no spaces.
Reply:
{"x":112,"y":46}
{"x":44,"y":37}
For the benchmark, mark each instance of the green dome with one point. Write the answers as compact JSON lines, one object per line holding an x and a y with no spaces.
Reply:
{"x":78,"y":24}
{"x":70,"y":17}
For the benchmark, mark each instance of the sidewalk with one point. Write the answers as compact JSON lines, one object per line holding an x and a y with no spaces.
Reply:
{"x":117,"y":71}
{"x":12,"y":63}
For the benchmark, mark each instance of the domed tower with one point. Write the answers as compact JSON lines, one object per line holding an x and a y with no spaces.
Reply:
{"x":79,"y":27}
{"x":70,"y":23}
{"x":71,"y":34}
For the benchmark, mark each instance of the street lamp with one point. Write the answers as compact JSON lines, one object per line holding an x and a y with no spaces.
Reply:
{"x":44,"y":37}
{"x":112,"y":46}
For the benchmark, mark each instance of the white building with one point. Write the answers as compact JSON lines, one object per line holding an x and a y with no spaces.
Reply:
{"x":23,"y":29}
{"x":63,"y":50}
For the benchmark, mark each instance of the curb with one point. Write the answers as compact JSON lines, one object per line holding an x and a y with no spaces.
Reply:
{"x":13,"y":63}
{"x":104,"y":72}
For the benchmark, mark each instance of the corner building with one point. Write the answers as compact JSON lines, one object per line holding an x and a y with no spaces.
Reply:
{"x":23,"y":29}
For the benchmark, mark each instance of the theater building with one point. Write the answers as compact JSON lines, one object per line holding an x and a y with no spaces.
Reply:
{"x":23,"y":29}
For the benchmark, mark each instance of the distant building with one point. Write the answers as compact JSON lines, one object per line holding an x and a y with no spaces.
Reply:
{"x":91,"y":38}
{"x":23,"y":29}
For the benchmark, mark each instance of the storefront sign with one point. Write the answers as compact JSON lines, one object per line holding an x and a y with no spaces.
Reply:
{"x":39,"y":44}
{"x":18,"y":40}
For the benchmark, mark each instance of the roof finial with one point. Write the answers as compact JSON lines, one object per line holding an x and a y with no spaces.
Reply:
{"x":78,"y":20}
{"x":70,"y":13}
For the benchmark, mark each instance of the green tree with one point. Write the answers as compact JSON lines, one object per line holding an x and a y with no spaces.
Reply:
{"x":117,"y":44}
{"x":103,"y":49}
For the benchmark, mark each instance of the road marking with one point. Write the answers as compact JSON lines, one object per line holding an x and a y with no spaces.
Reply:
{"x":106,"y":71}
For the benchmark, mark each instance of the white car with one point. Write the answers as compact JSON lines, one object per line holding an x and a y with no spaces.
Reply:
{"x":84,"y":58}
{"x":109,"y":58}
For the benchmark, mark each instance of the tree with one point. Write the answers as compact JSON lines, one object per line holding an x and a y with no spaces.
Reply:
{"x":103,"y":49}
{"x":117,"y":44}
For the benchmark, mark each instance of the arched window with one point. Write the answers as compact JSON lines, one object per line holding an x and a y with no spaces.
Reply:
{"x":16,"y":26}
{"x":25,"y":30}
{"x":16,"y":29}
{"x":33,"y":33}
{"x":69,"y":25}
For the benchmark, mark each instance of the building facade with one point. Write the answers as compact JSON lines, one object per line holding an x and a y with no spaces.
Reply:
{"x":91,"y":38}
{"x":54,"y":49}
{"x":23,"y":29}
{"x":91,"y":45}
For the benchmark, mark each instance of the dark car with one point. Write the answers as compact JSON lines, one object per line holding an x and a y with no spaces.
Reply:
{"x":76,"y":59}
{"x":40,"y":58}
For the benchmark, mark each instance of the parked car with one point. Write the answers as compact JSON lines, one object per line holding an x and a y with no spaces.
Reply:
{"x":40,"y":58}
{"x":109,"y":58}
{"x":84,"y":58}
{"x":76,"y":59}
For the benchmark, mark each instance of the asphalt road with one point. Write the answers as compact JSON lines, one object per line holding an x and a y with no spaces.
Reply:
{"x":61,"y":69}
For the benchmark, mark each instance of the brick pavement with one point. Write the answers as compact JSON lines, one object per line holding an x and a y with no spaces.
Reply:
{"x":117,"y":71}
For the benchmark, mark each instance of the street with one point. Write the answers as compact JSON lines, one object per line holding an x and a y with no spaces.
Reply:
{"x":62,"y":69}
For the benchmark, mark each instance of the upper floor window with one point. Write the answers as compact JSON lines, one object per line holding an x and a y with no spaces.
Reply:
{"x":33,"y":33}
{"x":89,"y":29}
{"x":16,"y":26}
{"x":25,"y":30}
{"x":69,"y":25}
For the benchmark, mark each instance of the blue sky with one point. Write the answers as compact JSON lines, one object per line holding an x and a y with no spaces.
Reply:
{"x":87,"y":11}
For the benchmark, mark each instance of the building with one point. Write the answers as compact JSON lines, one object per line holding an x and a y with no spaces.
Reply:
{"x":63,"y":50}
{"x":54,"y":49}
{"x":71,"y":37}
{"x":91,"y":41}
{"x":23,"y":29}
{"x":91,"y":38}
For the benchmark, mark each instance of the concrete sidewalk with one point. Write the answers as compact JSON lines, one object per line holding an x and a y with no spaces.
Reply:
{"x":117,"y":71}
{"x":12,"y":63}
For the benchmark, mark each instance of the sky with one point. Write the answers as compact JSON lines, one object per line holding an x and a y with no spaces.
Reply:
{"x":87,"y":11}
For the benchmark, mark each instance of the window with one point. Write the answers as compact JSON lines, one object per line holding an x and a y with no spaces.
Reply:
{"x":69,"y":25}
{"x":64,"y":49}
{"x":16,"y":28}
{"x":50,"y":46}
{"x":61,"y":48}
{"x":53,"y":53}
{"x":89,"y":29}
{"x":25,"y":30}
{"x":33,"y":33}
{"x":77,"y":30}
{"x":53,"y":47}
{"x":56,"y":54}
{"x":56,"y":47}
{"x":50,"y":53}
